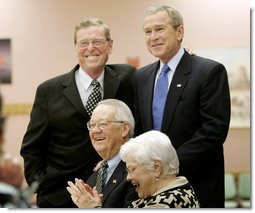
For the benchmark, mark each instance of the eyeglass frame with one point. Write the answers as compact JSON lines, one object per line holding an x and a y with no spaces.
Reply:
{"x":83,"y":44}
{"x":99,"y":125}
{"x":131,"y":169}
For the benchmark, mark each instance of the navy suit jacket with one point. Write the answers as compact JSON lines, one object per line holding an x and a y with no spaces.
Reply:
{"x":196,"y":119}
{"x":118,"y":192}
{"x":56,"y":146}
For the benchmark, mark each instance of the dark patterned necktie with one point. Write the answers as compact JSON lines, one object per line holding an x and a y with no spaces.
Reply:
{"x":101,"y":177}
{"x":159,"y":98}
{"x":94,"y":97}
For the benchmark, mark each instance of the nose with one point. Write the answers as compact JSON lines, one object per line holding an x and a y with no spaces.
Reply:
{"x":129,"y":177}
{"x":90,"y":46}
{"x":154,"y":35}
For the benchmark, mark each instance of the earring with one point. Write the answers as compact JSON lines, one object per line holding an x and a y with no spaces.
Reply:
{"x":156,"y":179}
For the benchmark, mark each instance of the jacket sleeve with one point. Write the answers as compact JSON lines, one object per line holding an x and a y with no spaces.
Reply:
{"x":214,"y":118}
{"x":34,"y":142}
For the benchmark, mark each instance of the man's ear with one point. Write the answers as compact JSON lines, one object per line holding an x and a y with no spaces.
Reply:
{"x":180,"y":33}
{"x":110,"y":46}
{"x":125,"y":130}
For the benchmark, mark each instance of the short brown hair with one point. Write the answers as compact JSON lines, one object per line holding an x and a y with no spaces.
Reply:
{"x":85,"y":23}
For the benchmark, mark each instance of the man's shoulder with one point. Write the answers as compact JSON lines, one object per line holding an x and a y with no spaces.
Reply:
{"x":203,"y":60}
{"x":59,"y":79}
{"x":148,"y":69}
{"x":117,"y":67}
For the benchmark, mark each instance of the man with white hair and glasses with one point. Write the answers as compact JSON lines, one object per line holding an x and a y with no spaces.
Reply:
{"x":111,"y":125}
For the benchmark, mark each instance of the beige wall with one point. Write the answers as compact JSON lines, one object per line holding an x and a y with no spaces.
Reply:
{"x":42,"y":46}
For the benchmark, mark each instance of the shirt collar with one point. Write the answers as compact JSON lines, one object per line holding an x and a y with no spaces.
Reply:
{"x":86,"y":79}
{"x":173,"y":63}
{"x":114,"y":161}
{"x":179,"y":181}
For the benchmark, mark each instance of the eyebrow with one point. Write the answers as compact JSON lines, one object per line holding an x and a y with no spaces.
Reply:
{"x":155,"y":26}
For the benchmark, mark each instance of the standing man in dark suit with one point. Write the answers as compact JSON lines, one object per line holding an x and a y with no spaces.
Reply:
{"x":111,"y":125}
{"x":56,"y":147}
{"x":196,"y":109}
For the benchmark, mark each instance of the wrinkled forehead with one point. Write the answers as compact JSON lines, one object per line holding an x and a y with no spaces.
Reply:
{"x":91,"y":31}
{"x":156,"y":19}
{"x":103,"y":112}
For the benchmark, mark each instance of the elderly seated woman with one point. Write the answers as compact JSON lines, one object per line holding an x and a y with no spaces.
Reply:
{"x":152,"y":166}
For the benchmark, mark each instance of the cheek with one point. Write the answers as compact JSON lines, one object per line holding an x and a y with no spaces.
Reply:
{"x":147,"y":40}
{"x":80,"y":52}
{"x":146,"y":184}
{"x":91,"y":134}
{"x":140,"y":175}
{"x":113,"y":144}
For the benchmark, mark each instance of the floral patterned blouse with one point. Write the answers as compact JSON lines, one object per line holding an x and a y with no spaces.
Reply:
{"x":178,"y":194}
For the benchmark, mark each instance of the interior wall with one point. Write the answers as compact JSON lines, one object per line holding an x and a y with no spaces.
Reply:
{"x":41,"y":33}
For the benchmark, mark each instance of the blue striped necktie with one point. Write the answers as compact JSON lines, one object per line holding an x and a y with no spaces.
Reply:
{"x":159,"y":99}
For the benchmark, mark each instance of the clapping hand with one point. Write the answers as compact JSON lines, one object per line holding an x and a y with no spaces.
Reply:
{"x":83,"y":195}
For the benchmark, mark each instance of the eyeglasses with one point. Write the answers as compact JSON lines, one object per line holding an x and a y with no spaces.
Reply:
{"x":95,"y":43}
{"x":132,"y":169}
{"x":101,"y":124}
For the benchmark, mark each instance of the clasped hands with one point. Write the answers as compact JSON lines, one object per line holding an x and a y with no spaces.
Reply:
{"x":83,"y":195}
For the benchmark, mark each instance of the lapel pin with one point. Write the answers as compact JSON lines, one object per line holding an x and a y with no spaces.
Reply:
{"x":114,"y":181}
{"x":179,"y":85}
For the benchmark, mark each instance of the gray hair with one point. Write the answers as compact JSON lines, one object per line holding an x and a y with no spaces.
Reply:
{"x":150,"y":146}
{"x":86,"y":23}
{"x":123,"y":112}
{"x":175,"y":17}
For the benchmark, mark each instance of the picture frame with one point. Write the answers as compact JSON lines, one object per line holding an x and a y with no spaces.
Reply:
{"x":237,"y":63}
{"x":5,"y":61}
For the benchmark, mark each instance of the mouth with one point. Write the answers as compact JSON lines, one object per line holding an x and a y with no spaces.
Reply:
{"x":137,"y":186}
{"x":99,"y":138}
{"x":156,"y":45}
{"x":92,"y":57}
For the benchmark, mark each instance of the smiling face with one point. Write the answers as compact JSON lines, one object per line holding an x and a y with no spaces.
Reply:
{"x":141,"y":177}
{"x":162,"y":40}
{"x":94,"y":56}
{"x":107,"y":141}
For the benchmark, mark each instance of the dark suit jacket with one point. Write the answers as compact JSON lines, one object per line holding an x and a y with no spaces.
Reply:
{"x":118,"y":192}
{"x":196,"y":119}
{"x":56,"y":147}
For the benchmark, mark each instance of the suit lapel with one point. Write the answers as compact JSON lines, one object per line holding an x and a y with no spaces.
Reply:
{"x":178,"y":83}
{"x":117,"y":177}
{"x":71,"y":92}
{"x":148,"y":87}
{"x":111,"y":83}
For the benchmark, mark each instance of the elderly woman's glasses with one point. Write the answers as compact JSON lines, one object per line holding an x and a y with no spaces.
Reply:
{"x":131,"y":169}
{"x":101,"y":124}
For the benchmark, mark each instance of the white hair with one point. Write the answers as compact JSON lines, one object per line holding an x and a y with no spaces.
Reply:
{"x":122,"y":112}
{"x":150,"y":146}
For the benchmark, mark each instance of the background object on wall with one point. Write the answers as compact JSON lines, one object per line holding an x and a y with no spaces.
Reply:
{"x":135,"y":61}
{"x":5,"y":61}
{"x":237,"y":63}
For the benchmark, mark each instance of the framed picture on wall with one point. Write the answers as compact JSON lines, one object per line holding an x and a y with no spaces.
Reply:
{"x":5,"y":61}
{"x":237,"y":63}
